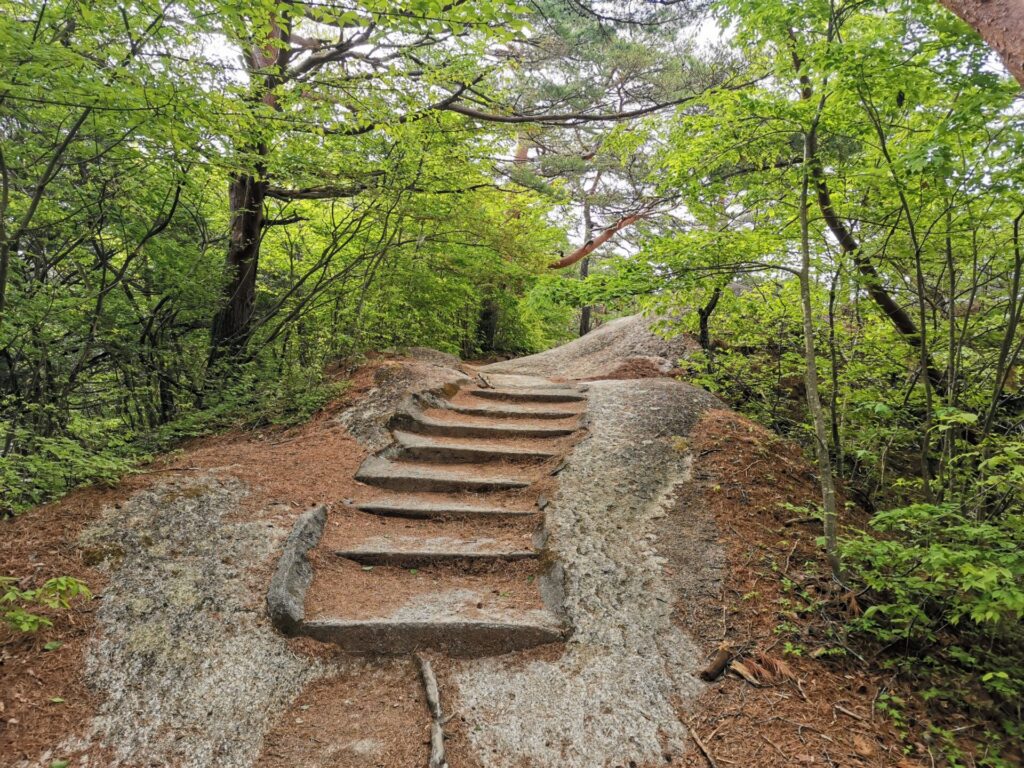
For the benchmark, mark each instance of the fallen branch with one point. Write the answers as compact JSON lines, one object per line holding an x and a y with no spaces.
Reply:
{"x":433,"y":694}
{"x":845,"y":711}
{"x":718,"y":664}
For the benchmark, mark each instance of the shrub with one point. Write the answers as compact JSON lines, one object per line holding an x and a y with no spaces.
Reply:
{"x":949,"y":589}
{"x":19,"y":605}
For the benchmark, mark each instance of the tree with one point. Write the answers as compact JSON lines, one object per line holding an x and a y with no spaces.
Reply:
{"x":113,"y":231}
{"x":580,"y":79}
{"x":1001,"y":24}
{"x":873,"y":177}
{"x":338,"y":72}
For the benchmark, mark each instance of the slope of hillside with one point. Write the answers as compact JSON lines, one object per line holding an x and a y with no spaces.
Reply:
{"x":646,"y":518}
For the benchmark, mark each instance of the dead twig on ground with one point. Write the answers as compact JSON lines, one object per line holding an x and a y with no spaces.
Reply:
{"x":845,"y":711}
{"x":774,"y":746}
{"x":702,"y":747}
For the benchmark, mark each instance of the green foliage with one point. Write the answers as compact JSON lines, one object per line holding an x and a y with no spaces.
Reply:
{"x":48,"y":466}
{"x":261,"y":393}
{"x":19,"y":605}
{"x":949,"y":588}
{"x":114,"y":220}
{"x":917,"y":161}
{"x":387,"y":221}
{"x":936,"y":561}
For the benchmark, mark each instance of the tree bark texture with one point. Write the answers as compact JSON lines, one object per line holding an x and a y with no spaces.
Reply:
{"x":232,"y":324}
{"x":1001,"y":24}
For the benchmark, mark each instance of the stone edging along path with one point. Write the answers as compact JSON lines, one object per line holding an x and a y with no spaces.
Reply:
{"x":286,"y":597}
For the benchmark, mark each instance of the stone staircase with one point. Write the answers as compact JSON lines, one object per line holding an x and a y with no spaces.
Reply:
{"x":444,"y":550}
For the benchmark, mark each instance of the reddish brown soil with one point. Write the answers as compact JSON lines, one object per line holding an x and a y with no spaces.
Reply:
{"x":371,"y":714}
{"x":37,"y":546}
{"x":634,"y":368}
{"x":308,"y":465}
{"x":507,"y":469}
{"x":447,"y":415}
{"x":519,"y":499}
{"x":468,"y":397}
{"x":516,"y":499}
{"x":803,"y":711}
{"x":342,"y":589}
{"x":347,"y":529}
{"x":547,"y":444}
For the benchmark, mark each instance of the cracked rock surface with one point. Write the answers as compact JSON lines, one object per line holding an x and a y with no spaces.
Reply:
{"x":612,"y":698}
{"x":429,"y":374}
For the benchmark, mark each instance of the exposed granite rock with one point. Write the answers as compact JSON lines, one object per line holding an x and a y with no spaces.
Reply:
{"x":399,"y":385}
{"x":611,"y":699}
{"x":286,"y":598}
{"x":603,"y":351}
{"x":189,"y":671}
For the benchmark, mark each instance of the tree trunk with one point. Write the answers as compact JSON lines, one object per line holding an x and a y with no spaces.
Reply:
{"x":704,"y":314}
{"x":1001,"y":25}
{"x":233,"y":323}
{"x":588,"y":235}
{"x":487,"y":327}
{"x":833,"y":405}
{"x":585,"y":312}
{"x":824,"y":460}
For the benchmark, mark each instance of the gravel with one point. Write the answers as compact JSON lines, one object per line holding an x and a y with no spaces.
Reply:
{"x":611,"y":699}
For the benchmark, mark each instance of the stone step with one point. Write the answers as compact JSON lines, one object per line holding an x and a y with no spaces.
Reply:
{"x":418,"y":509}
{"x":520,"y":381}
{"x":413,"y":551}
{"x":428,"y":448}
{"x":421,"y":422}
{"x":510,"y":411}
{"x":406,"y":476}
{"x":443,"y":606}
{"x":463,"y":637}
{"x":413,"y":559}
{"x":530,"y":395}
